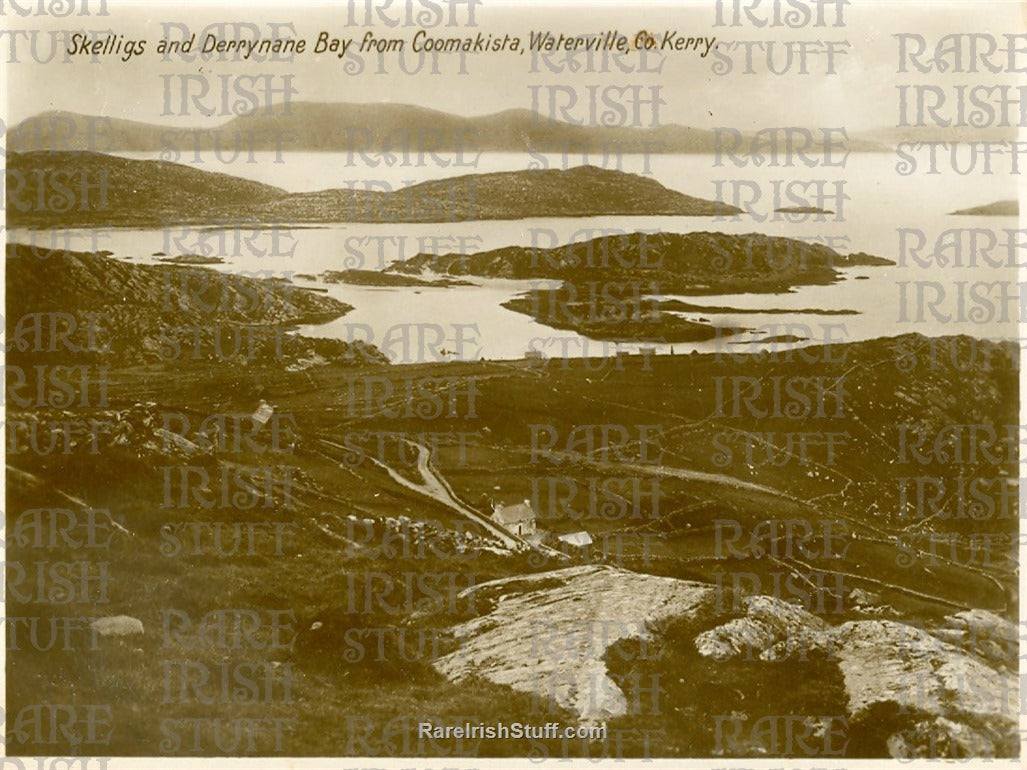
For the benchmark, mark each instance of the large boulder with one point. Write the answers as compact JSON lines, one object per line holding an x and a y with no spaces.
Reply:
{"x":117,"y":625}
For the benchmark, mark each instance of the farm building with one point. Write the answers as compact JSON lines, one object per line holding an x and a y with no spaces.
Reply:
{"x":518,"y":518}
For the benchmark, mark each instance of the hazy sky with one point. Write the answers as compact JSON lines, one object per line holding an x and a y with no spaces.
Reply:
{"x":861,"y":94}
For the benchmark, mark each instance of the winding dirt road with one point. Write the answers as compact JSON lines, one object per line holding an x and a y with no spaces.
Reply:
{"x":435,"y":487}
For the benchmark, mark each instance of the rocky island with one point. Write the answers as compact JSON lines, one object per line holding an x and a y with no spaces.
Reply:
{"x":609,"y":287}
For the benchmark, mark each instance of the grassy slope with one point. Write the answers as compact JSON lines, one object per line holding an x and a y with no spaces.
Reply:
{"x":332,"y":697}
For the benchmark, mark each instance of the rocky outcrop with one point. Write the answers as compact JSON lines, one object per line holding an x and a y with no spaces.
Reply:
{"x":770,"y":630}
{"x":547,"y":634}
{"x":114,"y":312}
{"x":383,"y":278}
{"x":941,"y":738}
{"x":906,"y":691}
{"x":983,"y":633}
{"x":884,"y":661}
{"x":611,"y":318}
{"x":951,"y":701}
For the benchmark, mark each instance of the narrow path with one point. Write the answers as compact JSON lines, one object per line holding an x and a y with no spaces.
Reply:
{"x":690,"y":475}
{"x":436,"y":489}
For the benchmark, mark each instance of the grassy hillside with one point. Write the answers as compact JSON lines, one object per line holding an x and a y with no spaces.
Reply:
{"x":576,"y":192}
{"x":89,"y":188}
{"x":84,"y":307}
{"x":350,"y":569}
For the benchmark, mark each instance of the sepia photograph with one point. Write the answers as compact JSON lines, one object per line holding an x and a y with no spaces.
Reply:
{"x":452,"y":383}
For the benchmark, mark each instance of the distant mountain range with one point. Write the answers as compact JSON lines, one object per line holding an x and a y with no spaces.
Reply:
{"x":87,"y":188}
{"x":395,"y":128}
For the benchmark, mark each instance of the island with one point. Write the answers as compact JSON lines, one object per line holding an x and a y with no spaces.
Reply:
{"x":93,"y":189}
{"x":802,"y":210}
{"x":192,"y":259}
{"x":385,"y":278}
{"x":609,"y":287}
{"x":1003,"y":208}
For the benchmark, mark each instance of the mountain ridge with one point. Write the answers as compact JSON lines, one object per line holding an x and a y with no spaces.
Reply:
{"x":366,"y":127}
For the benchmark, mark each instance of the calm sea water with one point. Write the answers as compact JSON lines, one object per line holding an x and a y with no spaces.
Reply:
{"x":880,"y":204}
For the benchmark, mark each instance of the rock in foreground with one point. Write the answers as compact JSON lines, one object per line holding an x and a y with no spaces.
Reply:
{"x":548,"y":633}
{"x":935,"y":699}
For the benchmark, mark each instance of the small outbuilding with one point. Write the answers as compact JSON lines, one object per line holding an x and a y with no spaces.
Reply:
{"x":578,"y":539}
{"x":263,"y":413}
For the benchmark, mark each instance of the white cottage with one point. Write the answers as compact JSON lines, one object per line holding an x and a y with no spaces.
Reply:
{"x":518,"y":518}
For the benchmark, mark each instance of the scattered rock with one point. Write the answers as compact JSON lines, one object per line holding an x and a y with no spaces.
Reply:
{"x":862,"y":598}
{"x":117,"y":625}
{"x":940,"y":738}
